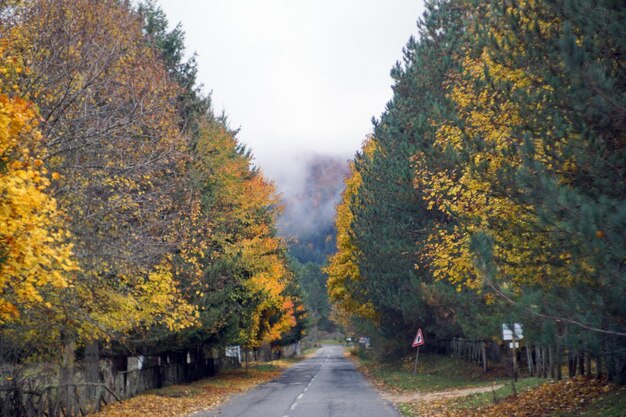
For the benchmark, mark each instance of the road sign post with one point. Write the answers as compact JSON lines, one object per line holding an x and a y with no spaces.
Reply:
{"x":417,"y":342}
{"x":513,"y":333}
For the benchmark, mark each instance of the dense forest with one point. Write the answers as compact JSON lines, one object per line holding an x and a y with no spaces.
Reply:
{"x":493,"y":187}
{"x":131,"y":217}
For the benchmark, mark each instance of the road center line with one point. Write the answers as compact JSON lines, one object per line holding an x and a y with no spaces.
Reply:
{"x":295,"y":403}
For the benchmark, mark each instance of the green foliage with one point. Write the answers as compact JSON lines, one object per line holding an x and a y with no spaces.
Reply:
{"x":391,"y":220}
{"x":312,"y":283}
{"x":171,"y":45}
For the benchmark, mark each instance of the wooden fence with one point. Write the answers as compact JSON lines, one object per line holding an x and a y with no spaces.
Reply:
{"x":480,"y":352}
{"x":30,"y":392}
{"x":533,"y":359}
{"x":43,"y":395}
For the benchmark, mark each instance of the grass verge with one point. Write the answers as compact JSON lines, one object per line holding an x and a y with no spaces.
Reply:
{"x":434,"y":373}
{"x":579,"y":396}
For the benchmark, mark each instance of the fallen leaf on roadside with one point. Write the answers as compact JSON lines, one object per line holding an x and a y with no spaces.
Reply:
{"x":183,"y":400}
{"x":549,"y":399}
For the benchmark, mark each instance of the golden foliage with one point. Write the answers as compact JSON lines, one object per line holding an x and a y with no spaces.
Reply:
{"x":125,"y":175}
{"x":476,"y":194}
{"x":112,"y":126}
{"x":34,"y":254}
{"x":342,"y":268}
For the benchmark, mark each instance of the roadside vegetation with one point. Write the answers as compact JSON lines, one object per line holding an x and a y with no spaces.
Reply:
{"x":580,"y":396}
{"x":451,"y":387}
{"x":434,"y":373}
{"x":133,"y":219}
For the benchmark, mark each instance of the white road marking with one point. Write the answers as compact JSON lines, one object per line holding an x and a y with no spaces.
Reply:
{"x":295,"y":403}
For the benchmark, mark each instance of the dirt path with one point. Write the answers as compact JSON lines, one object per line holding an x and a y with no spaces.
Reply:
{"x":437,"y":395}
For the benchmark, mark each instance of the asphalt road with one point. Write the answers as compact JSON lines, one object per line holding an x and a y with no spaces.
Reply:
{"x":326,"y":385}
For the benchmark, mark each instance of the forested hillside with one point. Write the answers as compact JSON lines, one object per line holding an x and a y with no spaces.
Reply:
{"x":308,"y":223}
{"x":131,"y":217}
{"x":493,"y":188}
{"x":309,"y":208}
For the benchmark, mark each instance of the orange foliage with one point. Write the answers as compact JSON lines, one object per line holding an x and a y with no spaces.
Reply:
{"x":239,"y":213}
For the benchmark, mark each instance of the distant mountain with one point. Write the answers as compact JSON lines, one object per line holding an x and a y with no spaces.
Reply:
{"x":308,"y":221}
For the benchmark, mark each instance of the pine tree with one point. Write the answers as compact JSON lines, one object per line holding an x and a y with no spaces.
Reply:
{"x":391,"y":218}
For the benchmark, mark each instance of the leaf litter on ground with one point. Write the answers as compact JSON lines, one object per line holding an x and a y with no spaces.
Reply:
{"x":183,"y":400}
{"x":551,"y":399}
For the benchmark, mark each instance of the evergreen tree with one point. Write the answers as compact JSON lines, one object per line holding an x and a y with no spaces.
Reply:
{"x":192,"y":103}
{"x":390,"y":215}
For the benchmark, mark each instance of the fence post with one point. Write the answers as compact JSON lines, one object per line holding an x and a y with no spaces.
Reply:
{"x":484,"y":354}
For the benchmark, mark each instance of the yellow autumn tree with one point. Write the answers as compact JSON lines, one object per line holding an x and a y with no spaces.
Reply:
{"x":478,"y":194}
{"x":35,"y":257}
{"x":110,"y":125}
{"x":262,"y":255}
{"x":342,"y":269}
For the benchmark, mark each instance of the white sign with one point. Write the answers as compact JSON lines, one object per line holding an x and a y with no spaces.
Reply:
{"x":507,"y":332}
{"x":233,"y":352}
{"x":516,"y":345}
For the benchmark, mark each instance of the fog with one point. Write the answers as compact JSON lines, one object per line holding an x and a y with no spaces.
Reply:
{"x":311,"y":190}
{"x":298,"y":77}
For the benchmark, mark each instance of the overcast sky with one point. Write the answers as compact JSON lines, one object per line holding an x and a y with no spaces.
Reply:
{"x":298,"y":76}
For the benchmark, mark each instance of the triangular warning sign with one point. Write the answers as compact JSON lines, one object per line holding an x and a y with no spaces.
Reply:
{"x":419,"y":339}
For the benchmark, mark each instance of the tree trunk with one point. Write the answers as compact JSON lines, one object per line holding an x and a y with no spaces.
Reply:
{"x":529,"y":360}
{"x":581,"y":363}
{"x":551,"y":361}
{"x":484,"y":355}
{"x":571,"y":364}
{"x":558,"y":360}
